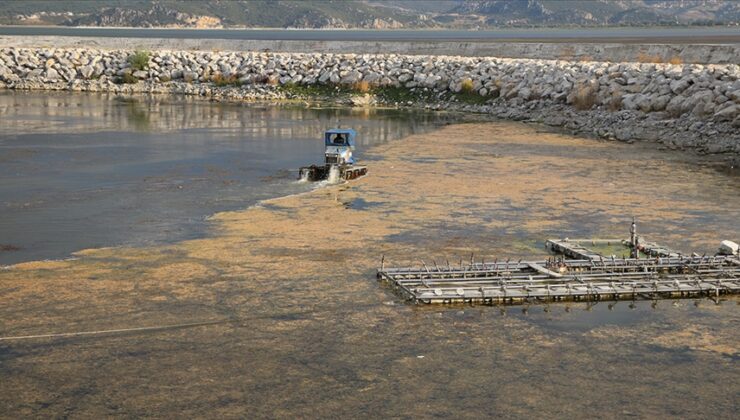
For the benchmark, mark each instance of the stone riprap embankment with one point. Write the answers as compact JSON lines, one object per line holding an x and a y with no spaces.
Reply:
{"x":682,"y":106}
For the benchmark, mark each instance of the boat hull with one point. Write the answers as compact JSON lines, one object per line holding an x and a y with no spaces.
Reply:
{"x":315,"y":173}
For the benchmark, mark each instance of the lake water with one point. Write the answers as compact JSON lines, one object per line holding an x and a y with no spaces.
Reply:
{"x":84,"y":171}
{"x":305,"y":328}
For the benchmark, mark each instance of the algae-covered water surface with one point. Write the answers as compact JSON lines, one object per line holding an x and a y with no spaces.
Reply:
{"x":306,"y":331}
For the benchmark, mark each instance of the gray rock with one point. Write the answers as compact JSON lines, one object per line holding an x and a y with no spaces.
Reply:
{"x":643,"y":102}
{"x":727,"y":114}
{"x":351,"y":77}
{"x":37,"y":73}
{"x":52,"y":75}
{"x":524,"y":93}
{"x":87,"y":71}
{"x":675,"y":105}
{"x":679,"y":86}
{"x":624,"y":134}
{"x":372,"y":77}
{"x":324,"y":76}
{"x":720,"y":99}
{"x":659,"y":103}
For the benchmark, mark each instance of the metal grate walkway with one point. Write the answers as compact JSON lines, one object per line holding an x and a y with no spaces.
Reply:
{"x":595,"y":278}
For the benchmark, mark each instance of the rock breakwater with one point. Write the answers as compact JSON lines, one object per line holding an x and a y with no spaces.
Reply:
{"x":680,"y":105}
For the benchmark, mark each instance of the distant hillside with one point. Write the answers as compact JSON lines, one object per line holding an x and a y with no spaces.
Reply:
{"x":601,"y":12}
{"x":369,"y":13}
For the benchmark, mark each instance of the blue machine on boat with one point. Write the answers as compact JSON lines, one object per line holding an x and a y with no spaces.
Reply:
{"x":339,"y":144}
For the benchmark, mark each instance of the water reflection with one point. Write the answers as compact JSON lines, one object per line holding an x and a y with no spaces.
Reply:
{"x":25,"y":113}
{"x":82,"y":170}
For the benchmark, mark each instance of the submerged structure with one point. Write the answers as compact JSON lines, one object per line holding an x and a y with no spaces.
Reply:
{"x":578,"y":271}
{"x":338,"y":160}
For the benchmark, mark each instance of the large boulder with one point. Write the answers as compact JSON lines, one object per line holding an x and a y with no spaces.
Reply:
{"x":325,"y":75}
{"x":372,"y":77}
{"x":52,"y":75}
{"x":678,"y":86}
{"x":35,"y":73}
{"x":405,"y":77}
{"x":659,"y":103}
{"x":697,"y":101}
{"x":87,"y":71}
{"x":727,"y":114}
{"x":352,"y":76}
{"x":675,"y":106}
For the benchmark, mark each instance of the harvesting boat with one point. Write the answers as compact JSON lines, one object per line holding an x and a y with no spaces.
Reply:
{"x":338,"y":160}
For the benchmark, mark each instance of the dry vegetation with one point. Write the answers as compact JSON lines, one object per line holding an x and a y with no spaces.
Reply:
{"x":219,"y":79}
{"x":585,"y":97}
{"x":615,"y":102}
{"x":466,"y":86}
{"x":567,"y":54}
{"x":361,"y":86}
{"x":647,"y":58}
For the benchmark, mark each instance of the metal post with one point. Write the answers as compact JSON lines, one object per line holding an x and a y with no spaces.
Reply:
{"x":633,"y":239}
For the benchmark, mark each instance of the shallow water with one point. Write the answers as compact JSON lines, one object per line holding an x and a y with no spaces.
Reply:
{"x":87,"y":171}
{"x":309,"y":332}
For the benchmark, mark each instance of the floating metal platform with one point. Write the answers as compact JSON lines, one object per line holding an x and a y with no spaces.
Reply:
{"x":577,"y":248}
{"x":588,"y":277}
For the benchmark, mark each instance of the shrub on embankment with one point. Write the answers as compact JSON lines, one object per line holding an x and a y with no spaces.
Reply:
{"x":709,"y":93}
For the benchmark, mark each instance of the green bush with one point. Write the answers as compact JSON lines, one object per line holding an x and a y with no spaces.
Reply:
{"x":139,"y":60}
